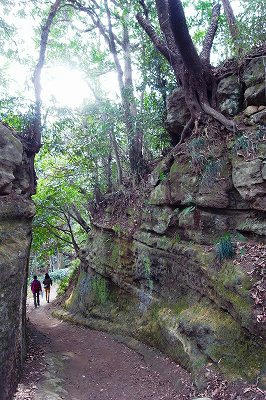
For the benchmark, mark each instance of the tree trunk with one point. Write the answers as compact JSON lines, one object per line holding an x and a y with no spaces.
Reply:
{"x":35,"y":131}
{"x":232,"y":24}
{"x":117,"y":157}
{"x":37,"y":123}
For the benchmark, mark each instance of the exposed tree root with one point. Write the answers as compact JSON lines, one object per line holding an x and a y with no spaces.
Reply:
{"x":229,"y":124}
{"x":187,"y":128}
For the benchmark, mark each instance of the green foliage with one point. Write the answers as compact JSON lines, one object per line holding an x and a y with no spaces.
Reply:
{"x":66,"y":277}
{"x":100,"y":290}
{"x":16,"y":113}
{"x":59,"y":274}
{"x":225,"y":248}
{"x":117,"y":229}
{"x":163,"y":176}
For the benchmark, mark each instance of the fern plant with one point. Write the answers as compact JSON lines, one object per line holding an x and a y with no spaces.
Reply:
{"x":225,"y":247}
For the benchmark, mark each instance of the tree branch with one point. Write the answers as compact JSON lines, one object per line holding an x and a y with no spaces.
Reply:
{"x":160,"y":45}
{"x":231,"y":22}
{"x":145,"y":8}
{"x":165,"y":25}
{"x":75,"y":214}
{"x":210,"y":35}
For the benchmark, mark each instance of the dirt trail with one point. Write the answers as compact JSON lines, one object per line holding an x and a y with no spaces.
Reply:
{"x":75,"y":363}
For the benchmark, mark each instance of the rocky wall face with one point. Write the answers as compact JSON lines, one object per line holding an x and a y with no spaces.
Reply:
{"x":16,"y":213}
{"x":183,"y":270}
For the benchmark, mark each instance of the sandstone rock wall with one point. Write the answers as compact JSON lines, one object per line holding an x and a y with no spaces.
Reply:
{"x":16,"y":212}
{"x":181,"y":267}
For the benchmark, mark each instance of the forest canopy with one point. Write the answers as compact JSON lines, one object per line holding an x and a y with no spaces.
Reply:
{"x":85,"y":83}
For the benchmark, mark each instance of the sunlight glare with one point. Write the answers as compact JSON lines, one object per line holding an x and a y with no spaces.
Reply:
{"x":66,"y":86}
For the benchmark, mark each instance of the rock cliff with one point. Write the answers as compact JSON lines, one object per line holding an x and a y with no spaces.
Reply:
{"x":180,"y":265}
{"x":16,"y":212}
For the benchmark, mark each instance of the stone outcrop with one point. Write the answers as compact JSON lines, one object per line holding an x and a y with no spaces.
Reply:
{"x":157,"y":274}
{"x":16,"y":212}
{"x":181,"y":266}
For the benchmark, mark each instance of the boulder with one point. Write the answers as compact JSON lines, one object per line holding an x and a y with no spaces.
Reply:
{"x":11,"y":153}
{"x":177,"y":112}
{"x":255,"y":95}
{"x":255,"y":72}
{"x":229,"y":94}
{"x":158,"y":219}
{"x":16,"y":213}
{"x":251,"y":110}
{"x":247,"y":173}
{"x":248,"y":180}
{"x":259,"y":118}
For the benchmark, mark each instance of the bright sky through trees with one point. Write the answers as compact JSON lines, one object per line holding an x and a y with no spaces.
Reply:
{"x":64,"y":84}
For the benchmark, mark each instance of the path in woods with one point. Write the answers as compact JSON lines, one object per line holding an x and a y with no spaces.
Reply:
{"x":75,"y":363}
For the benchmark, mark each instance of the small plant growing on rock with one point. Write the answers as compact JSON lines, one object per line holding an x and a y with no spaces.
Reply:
{"x":188,"y":210}
{"x":225,"y":247}
{"x":162,"y":176}
{"x":117,"y":229}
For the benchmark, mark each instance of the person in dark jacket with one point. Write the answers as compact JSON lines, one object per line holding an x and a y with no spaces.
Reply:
{"x":47,"y":283}
{"x":36,"y":288}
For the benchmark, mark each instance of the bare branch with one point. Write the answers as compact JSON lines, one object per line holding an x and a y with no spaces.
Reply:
{"x":145,"y":8}
{"x":208,"y":40}
{"x":75,"y":214}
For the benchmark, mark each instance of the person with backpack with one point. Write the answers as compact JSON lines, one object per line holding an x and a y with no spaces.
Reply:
{"x":36,"y":288}
{"x":47,"y":283}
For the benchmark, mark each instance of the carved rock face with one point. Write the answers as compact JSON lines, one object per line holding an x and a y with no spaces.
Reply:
{"x":11,"y":152}
{"x":16,"y":212}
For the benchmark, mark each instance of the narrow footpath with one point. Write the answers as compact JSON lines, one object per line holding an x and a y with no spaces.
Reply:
{"x":76,"y":363}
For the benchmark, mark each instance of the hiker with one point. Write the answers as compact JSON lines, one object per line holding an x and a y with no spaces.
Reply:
{"x":47,"y":283}
{"x":36,"y":288}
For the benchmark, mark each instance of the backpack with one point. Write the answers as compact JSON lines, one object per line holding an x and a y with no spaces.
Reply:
{"x":35,"y":286}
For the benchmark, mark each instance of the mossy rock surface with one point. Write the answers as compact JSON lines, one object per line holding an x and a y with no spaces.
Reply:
{"x":221,"y":339}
